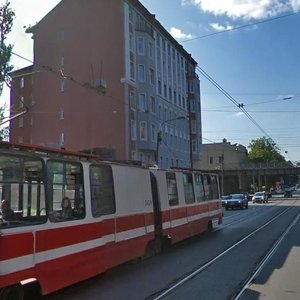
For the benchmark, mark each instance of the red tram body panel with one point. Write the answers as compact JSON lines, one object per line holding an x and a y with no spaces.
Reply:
{"x":116,"y":212}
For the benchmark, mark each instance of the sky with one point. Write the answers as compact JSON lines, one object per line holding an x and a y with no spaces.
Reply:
{"x":249,"y":48}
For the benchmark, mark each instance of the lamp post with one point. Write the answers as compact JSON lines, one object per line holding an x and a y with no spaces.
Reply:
{"x":159,"y":132}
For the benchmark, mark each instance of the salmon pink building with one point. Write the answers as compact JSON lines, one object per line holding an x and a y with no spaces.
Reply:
{"x":107,"y":77}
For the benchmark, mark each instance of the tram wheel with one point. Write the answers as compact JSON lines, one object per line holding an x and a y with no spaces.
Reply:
{"x":13,"y":292}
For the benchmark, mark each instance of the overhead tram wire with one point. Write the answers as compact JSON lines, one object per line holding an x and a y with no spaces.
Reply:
{"x":241,"y":27}
{"x":255,"y":103}
{"x":235,"y":102}
{"x":58,"y":73}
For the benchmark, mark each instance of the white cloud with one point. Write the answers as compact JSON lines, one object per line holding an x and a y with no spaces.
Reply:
{"x":245,"y":9}
{"x":238,"y":114}
{"x":220,"y":27}
{"x":295,"y":4}
{"x":179,"y":35}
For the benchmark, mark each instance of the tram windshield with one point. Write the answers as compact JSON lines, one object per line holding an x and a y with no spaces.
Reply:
{"x":22,"y":191}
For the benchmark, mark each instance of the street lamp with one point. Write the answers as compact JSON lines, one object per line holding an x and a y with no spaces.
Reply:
{"x":159,"y":132}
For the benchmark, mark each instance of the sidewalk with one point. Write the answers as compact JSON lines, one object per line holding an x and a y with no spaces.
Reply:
{"x":280,"y":278}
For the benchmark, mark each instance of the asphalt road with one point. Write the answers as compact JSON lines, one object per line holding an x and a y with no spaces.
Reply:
{"x":212,"y":266}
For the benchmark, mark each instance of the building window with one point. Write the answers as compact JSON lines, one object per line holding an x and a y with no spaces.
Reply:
{"x":32,"y":101}
{"x":211,"y":160}
{"x":62,"y":60}
{"x":131,"y":42}
{"x":21,"y":102}
{"x":140,"y":46}
{"x":153,"y":133}
{"x":151,"y":75}
{"x":194,"y":126}
{"x":132,"y":100}
{"x":160,"y":116}
{"x":175,"y":97}
{"x":159,"y":87}
{"x":194,"y":146}
{"x":143,"y":131}
{"x":158,"y":40}
{"x":165,"y":91}
{"x":192,"y":102}
{"x":142,"y":102}
{"x":133,"y":155}
{"x":130,"y":14}
{"x":132,"y":73}
{"x":151,"y":52}
{"x":141,"y":73}
{"x":165,"y":113}
{"x":21,"y":122}
{"x":153,"y":104}
{"x":62,"y":139}
{"x":62,"y":114}
{"x":62,"y":85}
{"x":133,"y":129}
{"x":22,"y":82}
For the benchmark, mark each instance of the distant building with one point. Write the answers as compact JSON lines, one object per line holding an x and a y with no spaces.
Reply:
{"x":107,"y":75}
{"x":218,"y":156}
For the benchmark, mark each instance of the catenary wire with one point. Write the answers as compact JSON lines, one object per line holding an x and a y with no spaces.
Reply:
{"x":240,"y":27}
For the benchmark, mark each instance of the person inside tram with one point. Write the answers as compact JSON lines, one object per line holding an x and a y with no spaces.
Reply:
{"x":66,"y":211}
{"x":66,"y":208}
{"x":6,"y":213}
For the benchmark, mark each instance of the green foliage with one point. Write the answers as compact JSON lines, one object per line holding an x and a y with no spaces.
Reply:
{"x":4,"y":131}
{"x":6,"y":23}
{"x":263,"y":150}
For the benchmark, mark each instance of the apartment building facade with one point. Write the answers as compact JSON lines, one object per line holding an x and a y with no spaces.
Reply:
{"x":107,"y":75}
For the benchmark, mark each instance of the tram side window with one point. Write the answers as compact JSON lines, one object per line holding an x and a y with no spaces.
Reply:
{"x":22,"y":191}
{"x":172,"y":189}
{"x":188,"y":188}
{"x":65,"y":191}
{"x":211,"y":187}
{"x":102,"y":190}
{"x":199,"y":188}
{"x":214,"y":187}
{"x":206,"y":183}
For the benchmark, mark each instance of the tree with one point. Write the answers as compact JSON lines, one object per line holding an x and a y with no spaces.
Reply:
{"x":4,"y":131}
{"x":6,"y":23}
{"x":263,"y":150}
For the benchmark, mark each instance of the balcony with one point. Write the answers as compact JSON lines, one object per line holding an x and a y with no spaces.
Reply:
{"x":144,"y":27}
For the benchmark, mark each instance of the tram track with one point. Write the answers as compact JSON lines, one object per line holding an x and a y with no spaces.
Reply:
{"x":242,"y":216}
{"x":188,"y":277}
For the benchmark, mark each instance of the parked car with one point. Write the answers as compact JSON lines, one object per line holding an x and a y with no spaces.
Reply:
{"x":261,"y":197}
{"x":224,"y":199}
{"x":236,"y":201}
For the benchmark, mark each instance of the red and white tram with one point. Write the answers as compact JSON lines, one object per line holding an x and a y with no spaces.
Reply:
{"x":119,"y":212}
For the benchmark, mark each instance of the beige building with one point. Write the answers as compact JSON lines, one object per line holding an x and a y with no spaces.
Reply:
{"x":108,"y":76}
{"x":223,"y":155}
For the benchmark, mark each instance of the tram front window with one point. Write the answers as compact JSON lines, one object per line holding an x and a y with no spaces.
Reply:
{"x":22,"y":192}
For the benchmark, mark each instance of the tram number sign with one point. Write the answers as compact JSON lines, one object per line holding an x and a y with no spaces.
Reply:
{"x":148,"y":202}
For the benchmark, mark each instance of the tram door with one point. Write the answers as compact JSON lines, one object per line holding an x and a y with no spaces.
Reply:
{"x":156,"y":206}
